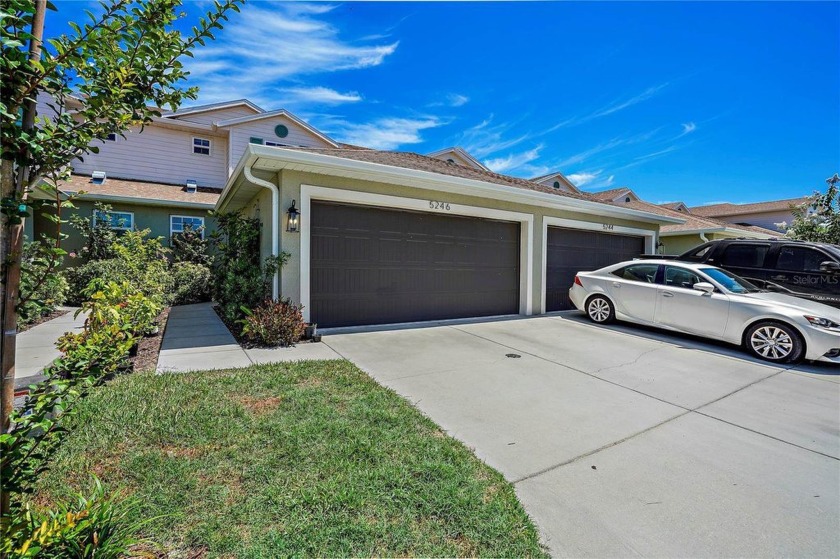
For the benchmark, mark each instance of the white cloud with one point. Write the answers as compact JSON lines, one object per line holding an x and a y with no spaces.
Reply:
{"x":385,"y":133}
{"x":268,"y":44}
{"x":611,"y":108}
{"x":486,"y":138}
{"x":582,"y":179}
{"x":513,"y":161}
{"x":317,"y":95}
{"x":457,"y":100}
{"x":688,"y":128}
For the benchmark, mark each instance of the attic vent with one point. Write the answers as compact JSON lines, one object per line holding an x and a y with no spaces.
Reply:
{"x":98,"y":177}
{"x":557,"y":184}
{"x":192,"y":185}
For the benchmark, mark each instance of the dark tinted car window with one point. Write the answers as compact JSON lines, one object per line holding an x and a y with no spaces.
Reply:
{"x":638,"y":272}
{"x":698,"y":254}
{"x":800,"y":259}
{"x":744,"y":256}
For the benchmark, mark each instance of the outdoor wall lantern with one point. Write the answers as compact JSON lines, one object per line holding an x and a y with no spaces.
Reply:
{"x":293,"y":225}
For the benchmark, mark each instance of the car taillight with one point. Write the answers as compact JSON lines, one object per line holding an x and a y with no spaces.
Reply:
{"x":577,"y":281}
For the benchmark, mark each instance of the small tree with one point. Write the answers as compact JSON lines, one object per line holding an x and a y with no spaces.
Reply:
{"x":818,"y":219}
{"x":114,"y":72}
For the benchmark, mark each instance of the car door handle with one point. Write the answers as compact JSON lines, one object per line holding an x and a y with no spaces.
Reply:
{"x":667,"y":294}
{"x":616,"y":284}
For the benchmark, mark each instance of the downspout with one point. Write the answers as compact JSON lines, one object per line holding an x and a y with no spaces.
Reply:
{"x":275,"y":223}
{"x":703,"y":237}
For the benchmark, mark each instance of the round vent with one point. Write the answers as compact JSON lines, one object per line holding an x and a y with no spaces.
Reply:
{"x":281,"y":131}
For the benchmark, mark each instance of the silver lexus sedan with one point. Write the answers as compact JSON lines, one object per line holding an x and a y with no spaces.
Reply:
{"x":707,"y":301}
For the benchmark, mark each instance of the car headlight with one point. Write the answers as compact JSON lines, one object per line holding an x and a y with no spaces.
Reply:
{"x":822,"y":322}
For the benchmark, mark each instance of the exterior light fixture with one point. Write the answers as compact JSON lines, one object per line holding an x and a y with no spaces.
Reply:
{"x":293,"y":224}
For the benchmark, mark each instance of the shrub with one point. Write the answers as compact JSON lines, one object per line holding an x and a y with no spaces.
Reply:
{"x":273,"y":323}
{"x":191,"y":283}
{"x":93,"y":526}
{"x":98,"y":235}
{"x":42,"y":288}
{"x":240,"y":278}
{"x":189,"y":246}
{"x":138,"y":260}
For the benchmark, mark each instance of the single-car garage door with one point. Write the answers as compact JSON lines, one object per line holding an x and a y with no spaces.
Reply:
{"x":574,"y":250}
{"x":382,"y":266}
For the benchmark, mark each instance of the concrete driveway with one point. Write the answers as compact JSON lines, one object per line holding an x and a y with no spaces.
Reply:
{"x":625,"y":441}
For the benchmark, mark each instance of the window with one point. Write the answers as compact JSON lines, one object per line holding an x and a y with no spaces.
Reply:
{"x":255,"y":140}
{"x":638,"y":272}
{"x":680,"y":277}
{"x":744,"y":256}
{"x":275,"y":144}
{"x":201,"y":146}
{"x":177,"y":224}
{"x":800,"y":259}
{"x":119,"y":221}
{"x":698,"y":254}
{"x":557,"y":184}
{"x":111,"y":137}
{"x":730,"y":281}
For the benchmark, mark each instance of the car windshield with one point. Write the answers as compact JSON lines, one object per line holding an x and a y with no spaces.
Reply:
{"x":730,"y":281}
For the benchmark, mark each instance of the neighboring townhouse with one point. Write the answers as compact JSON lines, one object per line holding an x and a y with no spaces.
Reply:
{"x":761,"y":214}
{"x":677,"y":238}
{"x":170,"y":175}
{"x":374,"y":236}
{"x":557,"y":181}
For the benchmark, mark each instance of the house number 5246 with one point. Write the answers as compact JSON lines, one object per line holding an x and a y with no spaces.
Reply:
{"x":439,"y":206}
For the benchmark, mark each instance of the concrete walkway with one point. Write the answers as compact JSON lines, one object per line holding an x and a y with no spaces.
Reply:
{"x":36,"y":349}
{"x":196,"y":339}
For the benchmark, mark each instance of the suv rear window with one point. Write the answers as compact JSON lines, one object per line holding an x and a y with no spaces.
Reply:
{"x":744,"y":256}
{"x":800,"y":259}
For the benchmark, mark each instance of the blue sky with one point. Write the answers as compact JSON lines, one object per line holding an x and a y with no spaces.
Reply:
{"x":700,"y":102}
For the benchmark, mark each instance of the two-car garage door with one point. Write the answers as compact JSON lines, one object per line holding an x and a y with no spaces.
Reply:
{"x":381,"y":266}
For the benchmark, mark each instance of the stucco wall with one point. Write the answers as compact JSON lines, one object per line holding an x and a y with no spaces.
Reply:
{"x":291,"y":182}
{"x":678,"y":244}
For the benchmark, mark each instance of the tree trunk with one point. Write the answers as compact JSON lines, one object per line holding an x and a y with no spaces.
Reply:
{"x":13,"y":183}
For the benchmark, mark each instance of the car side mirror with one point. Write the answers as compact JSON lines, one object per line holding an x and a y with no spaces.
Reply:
{"x":704,"y":286}
{"x":830,"y":267}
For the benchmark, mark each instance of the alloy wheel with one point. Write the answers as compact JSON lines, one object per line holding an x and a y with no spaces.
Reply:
{"x":599,"y":309}
{"x":772,"y":342}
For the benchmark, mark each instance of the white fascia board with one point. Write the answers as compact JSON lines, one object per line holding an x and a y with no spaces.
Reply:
{"x":141,"y":201}
{"x":213,"y":107}
{"x":183,"y":125}
{"x":692,"y":231}
{"x":378,"y":172}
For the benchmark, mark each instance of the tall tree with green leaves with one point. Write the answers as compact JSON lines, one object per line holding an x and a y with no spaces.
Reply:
{"x":117,"y":70}
{"x":818,"y":220}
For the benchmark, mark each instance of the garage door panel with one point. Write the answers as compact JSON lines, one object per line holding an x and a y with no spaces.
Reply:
{"x":400,"y":266}
{"x":570,"y":251}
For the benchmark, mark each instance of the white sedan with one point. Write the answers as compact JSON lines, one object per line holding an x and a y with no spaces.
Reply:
{"x":707,"y":301}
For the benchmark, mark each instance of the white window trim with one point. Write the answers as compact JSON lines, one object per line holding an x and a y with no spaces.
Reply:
{"x":311,"y":192}
{"x":548,"y":221}
{"x":93,"y":218}
{"x":171,"y":232}
{"x":209,"y":146}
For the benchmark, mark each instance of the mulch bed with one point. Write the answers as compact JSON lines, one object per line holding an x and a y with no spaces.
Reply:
{"x":46,"y":318}
{"x":148,"y":349}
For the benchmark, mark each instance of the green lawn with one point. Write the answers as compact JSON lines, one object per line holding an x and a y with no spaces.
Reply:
{"x":311,"y":458}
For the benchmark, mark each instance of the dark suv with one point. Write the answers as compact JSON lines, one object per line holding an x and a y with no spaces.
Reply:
{"x":808,"y":270}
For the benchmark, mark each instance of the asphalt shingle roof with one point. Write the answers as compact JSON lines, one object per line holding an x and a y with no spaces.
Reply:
{"x":141,"y":190}
{"x":718,"y":210}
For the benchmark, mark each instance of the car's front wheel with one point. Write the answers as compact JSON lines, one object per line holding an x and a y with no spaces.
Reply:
{"x":600,"y":309}
{"x":775,"y":341}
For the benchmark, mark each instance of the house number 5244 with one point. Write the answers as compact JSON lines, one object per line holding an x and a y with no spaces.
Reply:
{"x":439,"y":206}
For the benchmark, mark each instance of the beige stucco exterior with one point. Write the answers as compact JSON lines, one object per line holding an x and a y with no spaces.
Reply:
{"x":290,"y":182}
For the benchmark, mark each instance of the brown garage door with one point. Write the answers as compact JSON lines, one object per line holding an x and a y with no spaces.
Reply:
{"x":573,"y":250}
{"x":378,"y":266}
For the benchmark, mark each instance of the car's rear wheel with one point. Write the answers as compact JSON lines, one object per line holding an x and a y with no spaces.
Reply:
{"x":775,"y":341}
{"x":600,"y":309}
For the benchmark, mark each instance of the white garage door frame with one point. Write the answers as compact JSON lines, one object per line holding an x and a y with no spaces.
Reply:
{"x":309,"y":192}
{"x":648,"y":234}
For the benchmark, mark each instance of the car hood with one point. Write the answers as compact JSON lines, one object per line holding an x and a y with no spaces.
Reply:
{"x":792,"y":302}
